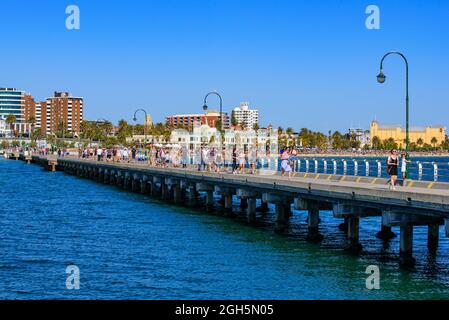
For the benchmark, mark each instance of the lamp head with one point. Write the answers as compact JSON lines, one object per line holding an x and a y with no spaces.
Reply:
{"x":381,"y":77}
{"x":205,"y":107}
{"x":135,"y":119}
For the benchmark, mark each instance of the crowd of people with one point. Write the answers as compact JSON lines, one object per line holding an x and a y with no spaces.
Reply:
{"x":213,"y":159}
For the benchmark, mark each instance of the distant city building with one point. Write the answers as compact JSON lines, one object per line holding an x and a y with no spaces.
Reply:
{"x":244,"y":139}
{"x":5,"y":130}
{"x":149,"y":121}
{"x":397,"y":132}
{"x":48,"y":115}
{"x":62,"y":110}
{"x":246,"y":117}
{"x":361,"y":135}
{"x":189,"y":121}
{"x":12,"y":102}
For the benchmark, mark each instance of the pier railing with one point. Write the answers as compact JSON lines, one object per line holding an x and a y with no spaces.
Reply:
{"x":418,"y":170}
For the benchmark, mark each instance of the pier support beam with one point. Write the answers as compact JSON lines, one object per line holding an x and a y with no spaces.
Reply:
{"x":406,"y":259}
{"x":209,"y":189}
{"x":192,"y":200}
{"x":313,"y":223}
{"x":227,"y":194}
{"x":353,"y":235}
{"x":155,"y":191}
{"x":251,"y":210}
{"x":433,"y":237}
{"x":178,"y":194}
{"x":263,"y":208}
{"x":250,"y":197}
{"x":385,"y":232}
{"x":283,"y":210}
{"x":136,"y":185}
{"x":144,"y":185}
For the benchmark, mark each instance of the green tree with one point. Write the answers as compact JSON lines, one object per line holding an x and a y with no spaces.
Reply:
{"x":376,"y":143}
{"x":234,"y":121}
{"x":10,"y":120}
{"x":420,"y":142}
{"x":434,"y":142}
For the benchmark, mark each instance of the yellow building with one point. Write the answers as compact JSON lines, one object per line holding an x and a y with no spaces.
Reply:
{"x":397,"y":132}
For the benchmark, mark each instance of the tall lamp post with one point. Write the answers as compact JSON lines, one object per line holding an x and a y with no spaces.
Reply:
{"x":381,"y":79}
{"x":205,"y":107}
{"x":144,"y":126}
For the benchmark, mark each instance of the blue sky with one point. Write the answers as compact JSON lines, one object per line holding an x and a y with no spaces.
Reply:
{"x":301,"y":63}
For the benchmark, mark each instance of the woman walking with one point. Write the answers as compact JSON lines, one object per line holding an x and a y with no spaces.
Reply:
{"x":285,"y":164}
{"x":392,"y":169}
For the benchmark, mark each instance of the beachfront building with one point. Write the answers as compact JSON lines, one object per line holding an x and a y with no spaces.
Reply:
{"x":5,"y":130}
{"x":431,"y":135}
{"x":241,"y":139}
{"x":246,"y":117}
{"x":12,"y":102}
{"x":361,"y":135}
{"x":150,"y":139}
{"x":189,"y":121}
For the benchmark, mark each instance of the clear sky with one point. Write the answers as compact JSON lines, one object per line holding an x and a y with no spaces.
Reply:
{"x":301,"y":63}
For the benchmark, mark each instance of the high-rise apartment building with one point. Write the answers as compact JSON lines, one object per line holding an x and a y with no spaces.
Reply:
{"x":62,"y":111}
{"x":246,"y":117}
{"x":12,"y":102}
{"x":57,"y":112}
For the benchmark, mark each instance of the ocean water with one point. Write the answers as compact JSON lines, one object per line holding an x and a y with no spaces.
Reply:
{"x":130,"y":246}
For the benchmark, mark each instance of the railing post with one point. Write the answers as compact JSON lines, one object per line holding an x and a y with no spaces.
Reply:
{"x":367,"y":168}
{"x":420,"y":170}
{"x":345,"y":167}
{"x":298,"y":165}
{"x":325,"y":166}
{"x":356,"y":168}
{"x":379,"y":169}
{"x":316,"y":166}
{"x":435,"y":171}
{"x":335,"y":166}
{"x":307,"y":165}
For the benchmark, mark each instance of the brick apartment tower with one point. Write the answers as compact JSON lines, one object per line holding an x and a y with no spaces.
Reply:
{"x":62,"y":109}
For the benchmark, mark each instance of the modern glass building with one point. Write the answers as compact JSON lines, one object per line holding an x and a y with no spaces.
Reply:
{"x":11,"y":102}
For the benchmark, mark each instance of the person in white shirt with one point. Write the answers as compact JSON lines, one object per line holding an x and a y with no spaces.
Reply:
{"x":404,"y":163}
{"x":99,"y":154}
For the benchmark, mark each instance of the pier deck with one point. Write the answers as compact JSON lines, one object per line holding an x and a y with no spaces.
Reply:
{"x":349,"y":200}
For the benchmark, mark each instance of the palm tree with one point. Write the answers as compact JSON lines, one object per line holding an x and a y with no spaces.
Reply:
{"x":420,"y":142}
{"x":280,"y":131}
{"x":10,"y":120}
{"x":434,"y":142}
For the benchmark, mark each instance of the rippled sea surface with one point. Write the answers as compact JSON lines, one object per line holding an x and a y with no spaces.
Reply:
{"x":130,"y":246}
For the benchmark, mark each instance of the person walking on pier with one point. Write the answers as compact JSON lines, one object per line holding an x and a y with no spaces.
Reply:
{"x":285,"y":164}
{"x":404,"y":162}
{"x":392,"y":169}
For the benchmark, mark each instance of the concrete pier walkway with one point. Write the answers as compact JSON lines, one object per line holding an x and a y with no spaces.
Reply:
{"x":349,"y":199}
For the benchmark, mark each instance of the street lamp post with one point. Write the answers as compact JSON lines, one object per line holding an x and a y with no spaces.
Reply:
{"x":381,"y":79}
{"x":144,"y":127}
{"x":205,"y":107}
